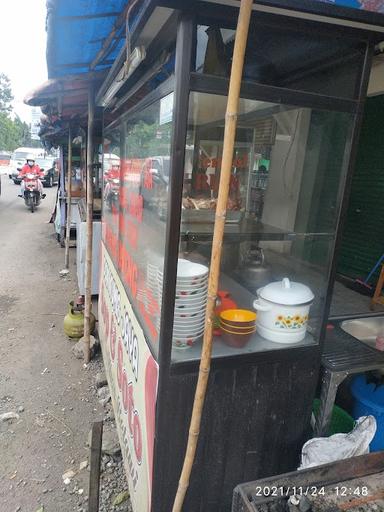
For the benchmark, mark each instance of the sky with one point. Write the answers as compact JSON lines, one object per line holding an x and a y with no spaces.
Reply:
{"x":22,"y":48}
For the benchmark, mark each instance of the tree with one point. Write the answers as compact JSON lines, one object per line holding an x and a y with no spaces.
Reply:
{"x":148,"y":139}
{"x":9,"y":133}
{"x":24,"y":131}
{"x":13,"y":132}
{"x":6,"y":96}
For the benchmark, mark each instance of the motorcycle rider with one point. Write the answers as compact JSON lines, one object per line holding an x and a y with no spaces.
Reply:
{"x":112,"y":174}
{"x":30,"y":167}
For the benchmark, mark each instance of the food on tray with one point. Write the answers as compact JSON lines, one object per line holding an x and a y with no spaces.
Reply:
{"x":204,"y":203}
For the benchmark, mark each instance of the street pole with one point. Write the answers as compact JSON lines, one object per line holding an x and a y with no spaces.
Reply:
{"x":89,"y":221}
{"x":69,"y":198}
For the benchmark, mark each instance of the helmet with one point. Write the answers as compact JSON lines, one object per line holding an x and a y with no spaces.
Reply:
{"x":30,"y":158}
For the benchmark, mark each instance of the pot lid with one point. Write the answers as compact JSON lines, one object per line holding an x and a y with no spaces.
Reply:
{"x":286,"y":292}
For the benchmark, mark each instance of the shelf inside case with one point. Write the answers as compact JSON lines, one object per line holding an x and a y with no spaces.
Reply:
{"x":257,"y":343}
{"x":245,"y":230}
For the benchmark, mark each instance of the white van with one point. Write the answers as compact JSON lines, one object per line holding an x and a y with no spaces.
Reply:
{"x":19,"y":157}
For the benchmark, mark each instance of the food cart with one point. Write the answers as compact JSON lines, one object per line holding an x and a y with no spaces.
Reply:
{"x":302,"y":96}
{"x":304,"y":84}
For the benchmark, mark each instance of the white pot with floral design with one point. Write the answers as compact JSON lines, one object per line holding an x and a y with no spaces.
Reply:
{"x":282,"y":311}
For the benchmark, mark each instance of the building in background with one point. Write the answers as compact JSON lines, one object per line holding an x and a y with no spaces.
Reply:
{"x":35,"y":123}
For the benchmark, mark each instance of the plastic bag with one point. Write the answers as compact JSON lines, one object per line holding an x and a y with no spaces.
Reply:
{"x":322,"y":450}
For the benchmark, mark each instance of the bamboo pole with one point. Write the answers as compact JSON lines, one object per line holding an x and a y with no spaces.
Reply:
{"x":218,"y":233}
{"x":89,"y":219}
{"x":69,"y":199}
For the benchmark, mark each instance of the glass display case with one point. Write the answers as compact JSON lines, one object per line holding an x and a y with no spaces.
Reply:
{"x":288,"y":164}
{"x":300,"y":108}
{"x":291,"y":157}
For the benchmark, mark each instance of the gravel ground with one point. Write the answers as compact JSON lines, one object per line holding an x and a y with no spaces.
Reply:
{"x":113,"y":481}
{"x":51,"y":396}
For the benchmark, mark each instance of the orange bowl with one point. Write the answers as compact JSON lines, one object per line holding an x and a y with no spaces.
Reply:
{"x":235,"y":326}
{"x":236,"y":340}
{"x":240,"y":333}
{"x":239,"y":316}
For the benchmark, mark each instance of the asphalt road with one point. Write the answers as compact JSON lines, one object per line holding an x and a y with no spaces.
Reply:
{"x":37,"y":369}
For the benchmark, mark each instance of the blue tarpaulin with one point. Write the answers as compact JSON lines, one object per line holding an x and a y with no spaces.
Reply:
{"x":76,"y":31}
{"x":365,"y":5}
{"x":77,"y":28}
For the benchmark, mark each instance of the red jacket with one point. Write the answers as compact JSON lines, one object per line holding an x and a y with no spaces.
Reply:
{"x":113,"y":173}
{"x":35,"y":169}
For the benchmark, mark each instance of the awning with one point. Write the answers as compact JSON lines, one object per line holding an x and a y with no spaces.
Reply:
{"x":69,"y":95}
{"x":79,"y":31}
{"x":64,"y":101}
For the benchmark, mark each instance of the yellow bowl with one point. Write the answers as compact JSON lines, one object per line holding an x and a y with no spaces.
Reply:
{"x":238,"y":315}
{"x":240,"y":333}
{"x":237,"y":326}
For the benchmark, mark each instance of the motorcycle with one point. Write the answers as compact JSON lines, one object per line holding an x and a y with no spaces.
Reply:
{"x":32,"y":194}
{"x":112,"y":194}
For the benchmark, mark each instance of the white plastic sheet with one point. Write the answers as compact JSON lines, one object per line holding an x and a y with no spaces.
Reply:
{"x":322,"y":450}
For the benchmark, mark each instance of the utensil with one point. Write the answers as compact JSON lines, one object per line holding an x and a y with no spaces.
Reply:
{"x":183,"y":324}
{"x":283,"y":309}
{"x":181,"y":342}
{"x":189,"y":269}
{"x":190,"y":291}
{"x":236,"y":340}
{"x":254,"y":271}
{"x":238,"y":315}
{"x":189,"y":300}
{"x":237,"y":327}
{"x":239,"y":332}
{"x":190,"y":331}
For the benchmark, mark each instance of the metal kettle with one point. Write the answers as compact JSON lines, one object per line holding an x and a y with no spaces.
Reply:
{"x":255,"y":271}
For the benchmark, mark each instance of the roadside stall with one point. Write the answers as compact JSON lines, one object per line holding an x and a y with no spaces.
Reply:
{"x":304,"y":83}
{"x":166,"y":68}
{"x":64,"y":102}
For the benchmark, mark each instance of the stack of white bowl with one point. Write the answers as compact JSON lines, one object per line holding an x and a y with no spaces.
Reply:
{"x":153,"y":283}
{"x":190,"y":302}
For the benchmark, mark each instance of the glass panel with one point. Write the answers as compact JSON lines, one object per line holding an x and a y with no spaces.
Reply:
{"x":287,"y":168}
{"x":305,"y":61}
{"x":111,"y":192}
{"x":134,"y":220}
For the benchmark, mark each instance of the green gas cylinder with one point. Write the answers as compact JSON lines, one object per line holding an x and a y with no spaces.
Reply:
{"x":74,"y":320}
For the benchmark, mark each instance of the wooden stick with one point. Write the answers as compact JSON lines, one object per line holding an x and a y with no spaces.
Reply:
{"x":89,"y":218}
{"x":377,"y":296}
{"x":94,"y":470}
{"x":218,"y":233}
{"x":69,"y":198}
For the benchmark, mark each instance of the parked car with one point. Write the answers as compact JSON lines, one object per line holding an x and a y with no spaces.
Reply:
{"x":18,"y":159}
{"x":15,"y":171}
{"x":5,"y":158}
{"x":50,"y":170}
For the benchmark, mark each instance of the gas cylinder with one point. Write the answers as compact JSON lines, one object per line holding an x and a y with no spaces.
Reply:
{"x":74,"y":319}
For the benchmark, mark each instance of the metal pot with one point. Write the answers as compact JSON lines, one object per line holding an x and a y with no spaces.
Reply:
{"x":282,"y":311}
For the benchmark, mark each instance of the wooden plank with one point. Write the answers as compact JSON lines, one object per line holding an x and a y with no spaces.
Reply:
{"x":94,"y":477}
{"x":323,"y":475}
